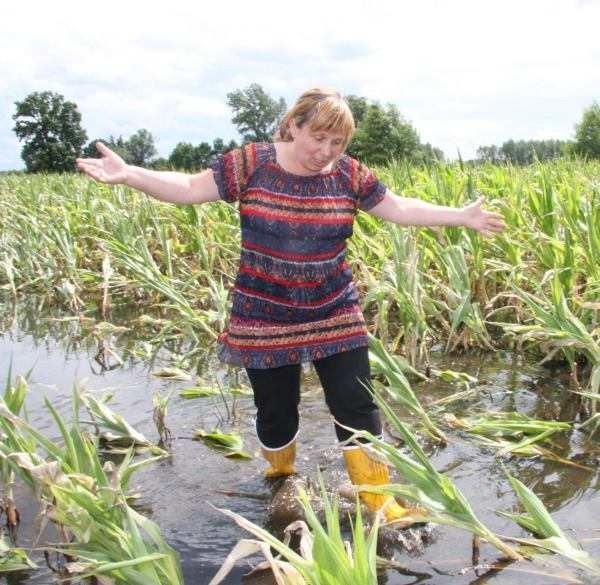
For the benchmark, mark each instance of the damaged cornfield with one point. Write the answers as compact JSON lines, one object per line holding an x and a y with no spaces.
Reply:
{"x":486,"y":364}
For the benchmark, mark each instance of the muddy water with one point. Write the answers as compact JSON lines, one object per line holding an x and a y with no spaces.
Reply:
{"x":179,"y":493}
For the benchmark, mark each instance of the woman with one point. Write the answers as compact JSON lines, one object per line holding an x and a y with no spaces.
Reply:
{"x":294,"y":299}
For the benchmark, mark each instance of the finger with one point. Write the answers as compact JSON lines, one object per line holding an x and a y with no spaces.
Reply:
{"x":94,"y":172}
{"x":86,"y":168}
{"x":496,"y":222}
{"x":103,"y":149}
{"x":494,"y":215}
{"x":98,"y":175}
{"x":89,"y":162}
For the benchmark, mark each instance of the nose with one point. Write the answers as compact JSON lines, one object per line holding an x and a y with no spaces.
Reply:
{"x":327,"y":150}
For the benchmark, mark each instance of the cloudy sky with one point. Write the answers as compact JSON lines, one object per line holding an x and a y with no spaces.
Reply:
{"x":465,"y":73}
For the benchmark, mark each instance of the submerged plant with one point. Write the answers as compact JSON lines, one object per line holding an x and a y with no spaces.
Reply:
{"x":117,"y":433}
{"x":13,"y":559}
{"x":87,"y":501}
{"x":399,"y":388}
{"x":160,"y":403}
{"x":551,"y":538}
{"x":514,"y":429}
{"x":14,"y":399}
{"x":444,"y":502}
{"x":204,"y":391}
{"x":324,"y":557}
{"x":230,"y":444}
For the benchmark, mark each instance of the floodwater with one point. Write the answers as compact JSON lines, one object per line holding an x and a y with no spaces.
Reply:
{"x":181,"y":493}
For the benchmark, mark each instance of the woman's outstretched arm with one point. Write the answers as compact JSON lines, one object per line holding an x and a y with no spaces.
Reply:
{"x":167,"y":186}
{"x":409,"y":211}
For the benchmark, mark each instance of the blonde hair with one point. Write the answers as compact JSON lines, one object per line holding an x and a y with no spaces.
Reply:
{"x":321,"y":109}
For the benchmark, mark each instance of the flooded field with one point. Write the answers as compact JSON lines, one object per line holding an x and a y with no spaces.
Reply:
{"x":180,"y":493}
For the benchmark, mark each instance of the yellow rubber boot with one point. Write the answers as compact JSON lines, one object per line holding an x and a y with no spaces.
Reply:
{"x":281,"y":460}
{"x":362,"y":471}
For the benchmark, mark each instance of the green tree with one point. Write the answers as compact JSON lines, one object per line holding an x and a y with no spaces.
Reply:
{"x":141,"y":147}
{"x":187,"y":157}
{"x":426,"y":153}
{"x":182,"y":156}
{"x":384,"y":135}
{"x":256,"y":114}
{"x":587,"y":133}
{"x":203,"y":154}
{"x":160,"y":164}
{"x":119,"y":145}
{"x":523,"y":152}
{"x":52,"y":132}
{"x":489,"y":154}
{"x":219,"y":146}
{"x":358,"y":107}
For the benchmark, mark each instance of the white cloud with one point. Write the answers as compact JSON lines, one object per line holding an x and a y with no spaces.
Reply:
{"x":466,"y":73}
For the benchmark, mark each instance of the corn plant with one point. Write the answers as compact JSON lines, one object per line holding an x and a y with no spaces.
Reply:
{"x":550,"y":536}
{"x":466,"y":326}
{"x":511,"y":425}
{"x":87,"y":501}
{"x":14,"y":398}
{"x":230,"y":444}
{"x":13,"y":559}
{"x":556,"y":326}
{"x":160,"y":403}
{"x":513,"y":433}
{"x":444,"y":502}
{"x":398,"y":387}
{"x":324,"y":557}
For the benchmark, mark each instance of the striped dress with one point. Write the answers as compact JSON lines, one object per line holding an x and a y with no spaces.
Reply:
{"x":294,"y":299}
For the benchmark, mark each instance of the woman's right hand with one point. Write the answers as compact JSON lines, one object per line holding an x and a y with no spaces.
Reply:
{"x":110,"y":168}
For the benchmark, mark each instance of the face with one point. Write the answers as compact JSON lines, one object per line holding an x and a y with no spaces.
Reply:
{"x":315,"y":151}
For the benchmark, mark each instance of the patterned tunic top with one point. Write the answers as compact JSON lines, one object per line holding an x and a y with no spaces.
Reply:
{"x":294,"y":299}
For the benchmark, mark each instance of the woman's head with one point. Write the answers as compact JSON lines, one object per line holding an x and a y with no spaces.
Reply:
{"x":319,"y":110}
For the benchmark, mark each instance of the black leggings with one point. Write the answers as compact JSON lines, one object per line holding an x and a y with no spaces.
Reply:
{"x":277,"y":396}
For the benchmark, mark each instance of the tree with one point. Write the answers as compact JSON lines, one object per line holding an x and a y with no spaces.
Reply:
{"x":182,"y":156}
{"x":522,"y":152}
{"x":384,"y":135}
{"x":587,"y":133}
{"x":160,"y":164}
{"x":52,"y":132}
{"x":187,"y":157}
{"x":119,"y":145}
{"x":489,"y":154}
{"x":141,"y":147}
{"x":358,"y":107}
{"x":256,"y":114}
{"x":427,"y":153}
{"x":203,"y":155}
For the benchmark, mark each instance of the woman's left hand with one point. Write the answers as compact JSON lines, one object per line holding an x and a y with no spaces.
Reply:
{"x":487,"y":223}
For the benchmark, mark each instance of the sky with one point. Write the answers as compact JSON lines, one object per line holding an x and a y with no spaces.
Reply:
{"x":465,"y":73}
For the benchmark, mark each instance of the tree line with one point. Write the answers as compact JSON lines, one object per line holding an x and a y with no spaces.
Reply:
{"x":50,"y":128}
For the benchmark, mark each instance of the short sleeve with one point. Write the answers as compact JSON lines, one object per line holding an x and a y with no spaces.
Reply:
{"x":368,"y":189}
{"x":232,"y":171}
